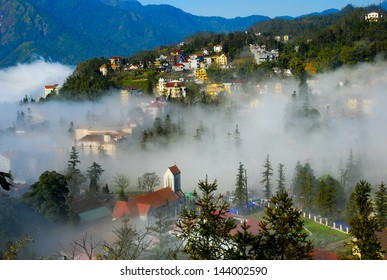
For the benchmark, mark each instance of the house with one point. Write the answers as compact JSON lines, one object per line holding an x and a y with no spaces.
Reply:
{"x":374,"y":17}
{"x":99,"y":140}
{"x":175,"y":89}
{"x":171,"y":89}
{"x":115,"y":60}
{"x":5,"y":163}
{"x":221,"y":60}
{"x":201,"y":74}
{"x":178,"y":67}
{"x":103,"y":69}
{"x":218,"y":48}
{"x":155,"y":108}
{"x":216,"y":89}
{"x":51,"y":89}
{"x":262,"y":55}
{"x":168,"y":200}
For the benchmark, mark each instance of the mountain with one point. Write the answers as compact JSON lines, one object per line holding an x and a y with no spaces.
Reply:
{"x":302,"y":24}
{"x":71,"y":31}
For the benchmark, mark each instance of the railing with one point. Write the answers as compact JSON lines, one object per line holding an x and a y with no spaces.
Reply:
{"x":326,"y":222}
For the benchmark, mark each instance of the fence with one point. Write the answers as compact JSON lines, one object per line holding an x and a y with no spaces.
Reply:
{"x":326,"y":222}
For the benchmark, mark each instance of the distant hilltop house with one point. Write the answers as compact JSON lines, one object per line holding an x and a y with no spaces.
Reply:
{"x":374,"y":16}
{"x":169,"y":200}
{"x":218,"y":48}
{"x":51,"y":89}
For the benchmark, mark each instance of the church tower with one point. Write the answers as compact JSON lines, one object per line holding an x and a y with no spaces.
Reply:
{"x":172,"y":179}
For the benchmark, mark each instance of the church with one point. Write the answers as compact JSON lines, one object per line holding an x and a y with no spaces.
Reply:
{"x":169,"y":200}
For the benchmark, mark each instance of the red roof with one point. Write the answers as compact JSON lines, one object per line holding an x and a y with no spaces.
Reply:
{"x":142,"y":204}
{"x":121,"y":209}
{"x":158,"y":198}
{"x":253,"y":223}
{"x":174,"y":169}
{"x":174,"y":84}
{"x":51,"y":86}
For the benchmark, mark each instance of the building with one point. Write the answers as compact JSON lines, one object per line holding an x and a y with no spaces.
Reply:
{"x":99,"y":140}
{"x":218,"y":48}
{"x":221,"y":60}
{"x":169,"y":200}
{"x":171,"y":89}
{"x":5,"y":163}
{"x":262,"y":55}
{"x":103,"y":69}
{"x":374,"y":17}
{"x":201,"y":74}
{"x":51,"y":89}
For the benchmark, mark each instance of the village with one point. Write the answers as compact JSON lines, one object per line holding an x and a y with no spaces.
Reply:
{"x":109,"y":133}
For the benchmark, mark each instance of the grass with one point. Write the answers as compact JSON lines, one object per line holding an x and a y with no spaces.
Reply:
{"x":323,"y":237}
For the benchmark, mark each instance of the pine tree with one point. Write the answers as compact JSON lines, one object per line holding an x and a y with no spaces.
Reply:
{"x":281,"y":178}
{"x":74,"y":175}
{"x":326,"y":202}
{"x":282,"y":231}
{"x":206,"y":229}
{"x":94,"y":172}
{"x":241,"y":196}
{"x":144,"y":140}
{"x":266,"y":176}
{"x":381,"y":205}
{"x":307,"y":188}
{"x":365,"y":244}
{"x":237,"y":137}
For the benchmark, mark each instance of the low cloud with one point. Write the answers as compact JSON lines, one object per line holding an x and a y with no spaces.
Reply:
{"x":29,"y":79}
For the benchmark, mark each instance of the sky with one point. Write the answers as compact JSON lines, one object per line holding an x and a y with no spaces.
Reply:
{"x":273,"y":8}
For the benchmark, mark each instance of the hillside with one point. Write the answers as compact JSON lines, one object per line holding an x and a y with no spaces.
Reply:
{"x":72,"y":31}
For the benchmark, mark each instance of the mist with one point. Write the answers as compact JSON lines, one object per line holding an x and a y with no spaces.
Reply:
{"x":352,"y":117}
{"x":30,"y":79}
{"x":350,"y":102}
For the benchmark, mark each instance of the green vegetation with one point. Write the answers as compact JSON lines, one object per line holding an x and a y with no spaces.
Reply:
{"x":325,"y":238}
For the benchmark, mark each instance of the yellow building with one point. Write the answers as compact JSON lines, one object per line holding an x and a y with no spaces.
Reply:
{"x":216,"y":89}
{"x":220,"y":59}
{"x":201,"y":74}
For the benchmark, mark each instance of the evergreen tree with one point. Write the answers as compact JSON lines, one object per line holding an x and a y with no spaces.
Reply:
{"x":266,"y":176}
{"x":241,"y":196}
{"x":381,"y":205}
{"x":281,"y":178}
{"x":94,"y":172}
{"x":237,"y":137}
{"x":307,"y":188}
{"x":351,"y":173}
{"x":365,"y":244}
{"x":49,"y":196}
{"x":282,"y":231}
{"x":326,"y":203}
{"x":145,"y":137}
{"x":205,"y":230}
{"x":247,"y":246}
{"x":297,"y":177}
{"x":105,"y":189}
{"x":74,"y":175}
